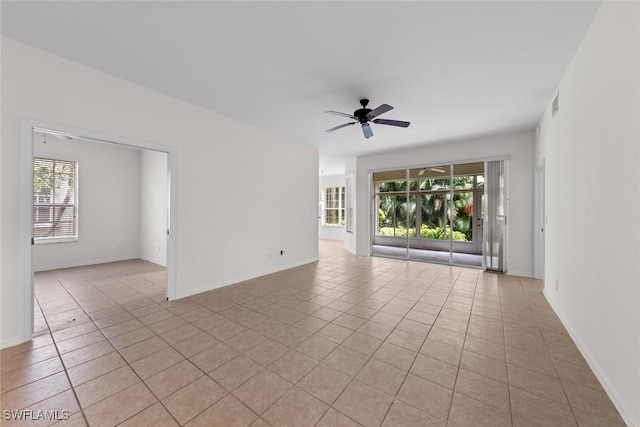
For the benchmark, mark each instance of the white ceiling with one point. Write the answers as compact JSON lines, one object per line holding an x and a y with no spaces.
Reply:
{"x":453,"y":69}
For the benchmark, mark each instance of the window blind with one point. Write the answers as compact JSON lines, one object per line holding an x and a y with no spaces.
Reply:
{"x":54,"y":199}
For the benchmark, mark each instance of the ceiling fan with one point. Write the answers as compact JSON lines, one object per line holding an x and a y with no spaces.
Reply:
{"x":365,"y":115}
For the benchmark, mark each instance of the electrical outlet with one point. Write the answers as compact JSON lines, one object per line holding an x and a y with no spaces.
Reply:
{"x":281,"y":252}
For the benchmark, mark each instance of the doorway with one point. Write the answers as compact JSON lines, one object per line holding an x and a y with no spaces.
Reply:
{"x":29,"y":211}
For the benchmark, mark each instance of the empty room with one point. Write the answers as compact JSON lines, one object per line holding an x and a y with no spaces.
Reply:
{"x":320,"y":213}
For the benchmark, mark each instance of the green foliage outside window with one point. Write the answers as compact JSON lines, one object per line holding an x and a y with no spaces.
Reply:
{"x":438,"y":208}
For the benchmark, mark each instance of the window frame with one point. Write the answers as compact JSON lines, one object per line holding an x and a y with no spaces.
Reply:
{"x":75,"y":204}
{"x":341,"y":196}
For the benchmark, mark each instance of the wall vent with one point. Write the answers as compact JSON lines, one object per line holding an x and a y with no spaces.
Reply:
{"x":555,"y":106}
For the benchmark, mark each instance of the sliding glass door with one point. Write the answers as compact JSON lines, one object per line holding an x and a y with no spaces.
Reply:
{"x":431,"y":213}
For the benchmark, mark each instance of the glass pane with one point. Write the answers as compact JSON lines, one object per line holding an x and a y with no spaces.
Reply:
{"x":435,"y":184}
{"x":402,"y":212}
{"x":464,"y":174}
{"x":432,"y":178}
{"x":386,"y":209}
{"x":463,"y":216}
{"x":391,"y":186}
{"x":412,"y":213}
{"x":331,"y":217}
{"x":392,"y":216}
{"x":434,"y":216}
{"x":330,"y":200}
{"x":64,"y":182}
{"x":463,"y":182}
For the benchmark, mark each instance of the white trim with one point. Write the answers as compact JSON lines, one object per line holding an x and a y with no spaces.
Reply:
{"x":172,"y":231}
{"x":609,"y":388}
{"x":52,"y":240}
{"x":83,"y":263}
{"x":12,"y":341}
{"x":446,"y":163}
{"x":242,"y":278}
{"x":349,"y":250}
{"x":538,"y":221}
{"x":26,"y":203}
{"x":26,"y":233}
{"x":507,"y":215}
{"x":519,"y":274}
{"x":370,"y":212}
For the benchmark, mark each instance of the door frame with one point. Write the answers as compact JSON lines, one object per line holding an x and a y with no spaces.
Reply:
{"x":26,"y":275}
{"x":539,"y":220}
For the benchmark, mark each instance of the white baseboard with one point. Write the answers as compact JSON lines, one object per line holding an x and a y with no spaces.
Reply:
{"x":609,"y":388}
{"x":5,"y":343}
{"x":83,"y":263}
{"x":349,"y":250}
{"x":152,"y":260}
{"x":242,"y":278}
{"x":520,"y":274}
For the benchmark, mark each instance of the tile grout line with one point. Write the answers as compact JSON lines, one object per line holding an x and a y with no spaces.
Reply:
{"x":356,"y":298}
{"x":64,"y":366}
{"x":555,"y":368}
{"x":506,"y":357}
{"x":412,"y":363}
{"x":123,"y":358}
{"x":417,"y":353}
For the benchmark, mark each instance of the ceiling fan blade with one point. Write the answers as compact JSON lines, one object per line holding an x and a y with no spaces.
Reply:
{"x":399,"y":123}
{"x":338,"y":113}
{"x":340,"y":127}
{"x":380,"y":110}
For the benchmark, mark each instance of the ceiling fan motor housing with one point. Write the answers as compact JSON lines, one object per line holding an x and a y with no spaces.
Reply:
{"x":362,"y":113}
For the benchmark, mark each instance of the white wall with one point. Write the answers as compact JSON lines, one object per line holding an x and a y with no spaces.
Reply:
{"x":518,"y":146}
{"x":591,"y":151}
{"x":108,"y":203}
{"x":231,"y":224}
{"x":154,"y":203}
{"x":331,"y":232}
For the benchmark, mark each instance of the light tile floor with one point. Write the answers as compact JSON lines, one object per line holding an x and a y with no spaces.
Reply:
{"x":346,"y":341}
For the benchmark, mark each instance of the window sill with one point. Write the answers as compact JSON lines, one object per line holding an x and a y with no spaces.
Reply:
{"x":48,"y":241}
{"x":332,"y":226}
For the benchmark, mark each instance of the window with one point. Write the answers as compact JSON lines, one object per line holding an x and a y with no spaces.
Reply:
{"x":334,"y":206}
{"x":432,"y":204}
{"x":54,"y":201}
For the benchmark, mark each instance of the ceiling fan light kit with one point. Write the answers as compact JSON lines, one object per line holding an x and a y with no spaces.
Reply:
{"x":365,"y":116}
{"x":366,"y":129}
